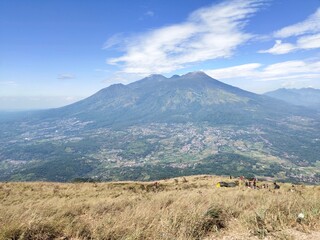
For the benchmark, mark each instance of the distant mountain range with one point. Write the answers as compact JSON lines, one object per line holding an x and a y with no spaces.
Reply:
{"x":307,"y":97}
{"x":163,"y":127}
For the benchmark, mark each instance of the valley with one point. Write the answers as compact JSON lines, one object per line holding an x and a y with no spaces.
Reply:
{"x":156,"y":151}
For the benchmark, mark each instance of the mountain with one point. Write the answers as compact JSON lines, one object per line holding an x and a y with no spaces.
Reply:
{"x":193,"y":97}
{"x":162,"y":127}
{"x":307,"y":97}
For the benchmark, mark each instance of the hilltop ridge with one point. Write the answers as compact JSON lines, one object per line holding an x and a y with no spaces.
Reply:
{"x":187,"y":208}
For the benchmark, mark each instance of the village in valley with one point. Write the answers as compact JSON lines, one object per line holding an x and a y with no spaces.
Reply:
{"x":186,"y":148}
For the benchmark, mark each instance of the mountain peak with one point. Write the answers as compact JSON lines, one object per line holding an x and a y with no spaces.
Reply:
{"x":196,"y":74}
{"x":175,"y":76}
{"x":116,"y":86}
{"x":155,"y":76}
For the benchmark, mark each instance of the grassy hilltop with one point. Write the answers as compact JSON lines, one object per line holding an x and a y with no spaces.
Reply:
{"x":181,"y":208}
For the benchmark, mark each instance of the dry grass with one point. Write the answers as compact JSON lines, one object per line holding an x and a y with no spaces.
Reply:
{"x":190,"y":208}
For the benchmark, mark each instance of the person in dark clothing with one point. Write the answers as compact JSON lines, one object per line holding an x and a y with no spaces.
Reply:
{"x":276,"y":186}
{"x":254,"y":183}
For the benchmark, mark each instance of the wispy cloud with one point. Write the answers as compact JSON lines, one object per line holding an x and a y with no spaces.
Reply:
{"x":114,"y":40}
{"x":297,"y":69}
{"x":149,"y":13}
{"x":310,"y":25}
{"x":309,"y":41}
{"x":280,"y":48}
{"x":307,"y":34}
{"x":240,"y":71}
{"x":208,"y":33}
{"x":8,"y":83}
{"x":101,"y":70}
{"x":120,"y":77}
{"x":304,"y":42}
{"x":66,"y":76}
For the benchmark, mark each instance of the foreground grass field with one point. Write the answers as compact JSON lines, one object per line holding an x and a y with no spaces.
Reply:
{"x":182,"y":208}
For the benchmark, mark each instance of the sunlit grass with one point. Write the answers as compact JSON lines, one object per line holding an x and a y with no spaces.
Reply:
{"x":175,"y":209}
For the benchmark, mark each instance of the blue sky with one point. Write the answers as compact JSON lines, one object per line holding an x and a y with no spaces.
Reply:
{"x":53,"y":53}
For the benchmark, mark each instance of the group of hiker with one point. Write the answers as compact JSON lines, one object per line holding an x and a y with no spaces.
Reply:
{"x":247,"y":182}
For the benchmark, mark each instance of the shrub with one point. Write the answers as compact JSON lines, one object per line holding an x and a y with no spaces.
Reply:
{"x":213,"y":220}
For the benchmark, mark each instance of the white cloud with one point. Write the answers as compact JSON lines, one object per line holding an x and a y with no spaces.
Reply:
{"x":309,"y":42}
{"x":290,"y":70}
{"x":280,"y":48}
{"x":310,"y":25}
{"x":278,"y":71}
{"x":240,"y":71}
{"x":66,"y":76}
{"x":307,"y":33}
{"x":304,"y":42}
{"x":209,"y":33}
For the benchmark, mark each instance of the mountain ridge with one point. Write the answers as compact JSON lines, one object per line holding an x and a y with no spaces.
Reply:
{"x":306,"y":97}
{"x":157,"y":96}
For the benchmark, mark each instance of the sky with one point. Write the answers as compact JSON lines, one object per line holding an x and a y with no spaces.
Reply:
{"x":53,"y":53}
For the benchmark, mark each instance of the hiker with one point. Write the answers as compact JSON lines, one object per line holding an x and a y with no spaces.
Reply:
{"x":156,"y":184}
{"x":254,"y":183}
{"x":276,"y":186}
{"x":292,"y":189}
